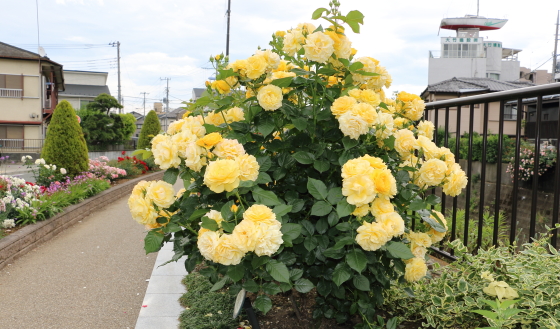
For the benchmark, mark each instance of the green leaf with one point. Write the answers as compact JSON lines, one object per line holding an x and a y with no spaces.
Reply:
{"x":347,"y":240}
{"x":343,"y":227}
{"x":361,"y":283}
{"x":153,"y":241}
{"x":334,"y":253}
{"x":300,"y":123}
{"x":308,"y":226}
{"x":321,"y":166}
{"x":303,"y":285}
{"x":343,"y":208}
{"x":295,"y":274}
{"x":220,"y":284}
{"x":236,"y":272}
{"x":317,"y":188}
{"x":197,"y":214}
{"x":282,"y":82}
{"x":390,"y":142}
{"x":267,"y":198}
{"x":434,"y":223}
{"x":366,"y":73}
{"x":291,"y":230}
{"x":433,"y":199}
{"x":263,"y":178}
{"x":318,"y":12}
{"x":462,"y":285}
{"x":355,"y":15}
{"x":322,"y":226}
{"x":321,"y":208}
{"x":310,"y":243}
{"x":333,"y":219}
{"x":211,"y":128}
{"x":251,"y":286}
{"x":223,"y":74}
{"x":259,"y":261}
{"x":335,"y":195}
{"x":266,"y":126}
{"x":278,"y":271}
{"x":263,"y":303}
{"x":304,"y":157}
{"x":271,"y":288}
{"x":264,"y":163}
{"x":170,"y":175}
{"x":417,"y":204}
{"x":399,"y":250}
{"x":226,"y":101}
{"x":282,"y":210}
{"x":327,"y":71}
{"x":488,"y":314}
{"x":356,"y":260}
{"x":341,"y":274}
{"x":209,"y":224}
{"x":402,"y":177}
{"x":356,"y":66}
{"x":349,"y":142}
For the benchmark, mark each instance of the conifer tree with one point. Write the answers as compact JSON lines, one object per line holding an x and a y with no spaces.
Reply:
{"x":150,"y":128}
{"x":65,"y":145}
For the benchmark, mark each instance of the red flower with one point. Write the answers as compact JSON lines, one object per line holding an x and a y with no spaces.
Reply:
{"x":123,"y":152}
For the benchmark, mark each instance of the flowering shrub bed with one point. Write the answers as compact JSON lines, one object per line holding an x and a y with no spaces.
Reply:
{"x":547,"y":160}
{"x":16,"y":198}
{"x":300,"y":173}
{"x":101,"y":169}
{"x":133,"y":165}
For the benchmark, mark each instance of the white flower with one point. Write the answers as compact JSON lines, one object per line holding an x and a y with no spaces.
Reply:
{"x":8,"y":223}
{"x":40,"y":162}
{"x":53,"y":167}
{"x":63,"y":171}
{"x":47,"y":166}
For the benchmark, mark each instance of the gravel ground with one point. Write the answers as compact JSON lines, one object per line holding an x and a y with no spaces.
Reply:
{"x":92,"y":275}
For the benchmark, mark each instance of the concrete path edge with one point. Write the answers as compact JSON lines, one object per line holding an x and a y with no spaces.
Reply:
{"x":26,"y":239}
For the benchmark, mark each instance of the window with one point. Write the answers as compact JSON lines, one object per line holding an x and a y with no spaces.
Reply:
{"x":11,"y":132}
{"x":11,"y":85}
{"x":510,"y":112}
{"x":461,"y":50}
{"x":83,"y":104}
{"x":495,"y":76}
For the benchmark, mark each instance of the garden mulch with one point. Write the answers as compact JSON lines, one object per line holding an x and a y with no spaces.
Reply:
{"x":92,"y":275}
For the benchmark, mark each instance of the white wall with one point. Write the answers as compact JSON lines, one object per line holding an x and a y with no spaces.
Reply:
{"x":85,"y":78}
{"x":446,"y":68}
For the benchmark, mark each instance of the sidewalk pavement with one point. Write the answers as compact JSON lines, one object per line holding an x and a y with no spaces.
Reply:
{"x":92,"y":275}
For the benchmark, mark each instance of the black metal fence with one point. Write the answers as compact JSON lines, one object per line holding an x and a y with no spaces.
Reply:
{"x":520,"y":202}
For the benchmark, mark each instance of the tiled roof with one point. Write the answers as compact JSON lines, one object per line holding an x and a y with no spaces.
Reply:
{"x":468,"y":85}
{"x":84,"y":90}
{"x":9,"y":51}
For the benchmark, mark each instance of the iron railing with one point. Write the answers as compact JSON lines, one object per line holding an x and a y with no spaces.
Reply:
{"x":516,"y":214}
{"x":11,"y":93}
{"x":20,"y":145}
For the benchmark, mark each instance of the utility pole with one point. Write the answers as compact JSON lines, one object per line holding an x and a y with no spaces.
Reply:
{"x":228,"y":15}
{"x":119,"y":98}
{"x":145,"y":102}
{"x":166,"y":104}
{"x":555,"y":56}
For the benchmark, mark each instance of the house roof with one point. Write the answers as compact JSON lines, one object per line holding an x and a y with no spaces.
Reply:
{"x":470,"y":85}
{"x":84,"y":90}
{"x":47,"y":65}
{"x":197,"y":93}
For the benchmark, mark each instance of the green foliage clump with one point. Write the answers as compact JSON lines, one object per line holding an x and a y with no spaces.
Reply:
{"x":65,"y":145}
{"x":447,"y":301}
{"x":205,"y":309}
{"x":104,"y":103}
{"x":150,"y":128}
{"x":508,"y":147}
{"x":129,"y":125}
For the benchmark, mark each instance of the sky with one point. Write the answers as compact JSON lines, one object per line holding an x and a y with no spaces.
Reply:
{"x":175,"y":38}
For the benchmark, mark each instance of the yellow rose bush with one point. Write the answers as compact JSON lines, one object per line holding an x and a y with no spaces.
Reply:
{"x":300,"y":173}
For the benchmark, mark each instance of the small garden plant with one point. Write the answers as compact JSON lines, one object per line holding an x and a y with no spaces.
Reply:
{"x":547,"y":161}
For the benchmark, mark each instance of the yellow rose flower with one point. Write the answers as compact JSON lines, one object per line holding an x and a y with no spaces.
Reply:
{"x":359,"y":190}
{"x":430,"y":149}
{"x":383,"y":79}
{"x":221,"y":86}
{"x":269,"y":242}
{"x":292,"y":42}
{"x":217,"y":57}
{"x":355,"y":93}
{"x":372,"y":236}
{"x":415,"y":110}
{"x":240,"y":66}
{"x":228,"y":251}
{"x":209,"y":140}
{"x":361,"y":211}
{"x":215,"y":119}
{"x":180,"y":193}
{"x":272,"y":59}
{"x":175,"y":127}
{"x":415,"y":270}
{"x":381,"y":205}
{"x":352,"y":125}
{"x":229,"y":149}
{"x":248,"y":166}
{"x":432,"y":172}
{"x":207,"y":243}
{"x":194,"y":156}
{"x":407,"y":97}
{"x":366,"y":112}
{"x":234,"y":114}
{"x":400,"y":123}
{"x":426,"y":128}
{"x":165,"y":152}
{"x":455,"y":182}
{"x":384,"y":126}
{"x":385,"y":183}
{"x":182,"y":140}
{"x":420,"y":239}
{"x":405,"y":143}
{"x":374,"y":162}
{"x":139,"y":190}
{"x":194,"y":125}
{"x":342,"y":105}
{"x":259,"y":213}
{"x":161,"y":193}
{"x":318,"y":47}
{"x":246,"y":233}
{"x":215,"y":216}
{"x":142,"y":210}
{"x":270,"y":97}
{"x":355,"y":167}
{"x":256,"y":66}
{"x":418,"y":251}
{"x":392,"y":222}
{"x":370,"y":65}
{"x":370,"y":97}
{"x":222,"y":175}
{"x":280,"y":34}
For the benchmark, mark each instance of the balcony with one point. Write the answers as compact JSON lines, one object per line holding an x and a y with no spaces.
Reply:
{"x":11,"y":93}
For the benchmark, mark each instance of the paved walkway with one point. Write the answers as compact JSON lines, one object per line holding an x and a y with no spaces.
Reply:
{"x":92,"y":275}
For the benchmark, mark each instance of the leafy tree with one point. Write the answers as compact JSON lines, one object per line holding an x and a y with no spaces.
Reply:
{"x":129,"y":122}
{"x":104,"y":103}
{"x":97,"y":127}
{"x":65,"y":145}
{"x":150,"y":128}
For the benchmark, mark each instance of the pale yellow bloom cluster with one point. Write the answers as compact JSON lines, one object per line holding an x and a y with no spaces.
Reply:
{"x":234,"y":114}
{"x":258,"y":232}
{"x":415,"y":269}
{"x":149,"y":197}
{"x":410,"y":106}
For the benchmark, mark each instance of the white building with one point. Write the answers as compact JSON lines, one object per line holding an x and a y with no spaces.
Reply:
{"x":469,"y":55}
{"x":83,"y":86}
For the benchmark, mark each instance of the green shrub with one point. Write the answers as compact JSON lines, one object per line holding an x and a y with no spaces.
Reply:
{"x":447,"y":301}
{"x":65,"y":145}
{"x":150,"y":128}
{"x":508,"y":147}
{"x":205,"y":309}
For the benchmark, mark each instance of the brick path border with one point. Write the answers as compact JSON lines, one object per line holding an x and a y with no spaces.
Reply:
{"x":28,"y":238}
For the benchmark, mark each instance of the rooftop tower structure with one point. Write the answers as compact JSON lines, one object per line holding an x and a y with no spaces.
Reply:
{"x":469,"y":55}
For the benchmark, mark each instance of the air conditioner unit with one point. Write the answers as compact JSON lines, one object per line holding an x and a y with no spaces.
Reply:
{"x":33,"y":115}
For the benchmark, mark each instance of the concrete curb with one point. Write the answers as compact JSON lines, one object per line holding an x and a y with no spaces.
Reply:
{"x":26,"y":239}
